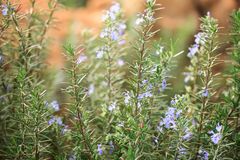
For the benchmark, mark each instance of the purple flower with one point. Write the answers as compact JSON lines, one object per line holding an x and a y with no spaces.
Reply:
{"x":169,"y":120}
{"x":57,"y":120}
{"x":202,"y":154}
{"x":81,"y":58}
{"x":193,"y":50}
{"x":51,"y":121}
{"x":55,"y":105}
{"x":182,"y":151}
{"x":4,"y":10}
{"x":173,"y":102}
{"x":126,"y":98}
{"x":112,"y":107}
{"x":164,"y":84}
{"x":188,"y":135}
{"x":100,"y":151}
{"x":91,"y":89}
{"x":112,"y":13}
{"x":145,"y":95}
{"x":216,"y":136}
{"x":205,"y":93}
{"x":114,"y":35}
{"x":115,"y":8}
{"x":100,"y":53}
{"x":122,"y":42}
{"x":120,"y":62}
{"x":65,"y":129}
{"x":200,"y":38}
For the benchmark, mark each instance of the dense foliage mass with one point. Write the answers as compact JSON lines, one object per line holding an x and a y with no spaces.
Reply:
{"x":114,"y":96}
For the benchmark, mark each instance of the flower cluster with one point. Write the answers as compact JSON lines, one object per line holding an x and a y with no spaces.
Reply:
{"x":169,"y":121}
{"x":115,"y":28}
{"x":200,"y":39}
{"x":4,"y":10}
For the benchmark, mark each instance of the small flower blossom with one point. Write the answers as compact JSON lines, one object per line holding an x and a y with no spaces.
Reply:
{"x":193,"y":50}
{"x":100,"y":52}
{"x":188,"y":135}
{"x":112,"y":107}
{"x":200,"y":38}
{"x":81,"y":58}
{"x":4,"y":10}
{"x":202,"y":154}
{"x":145,"y":95}
{"x":65,"y":129}
{"x":122,"y":42}
{"x":127,"y":98}
{"x":205,"y":93}
{"x":169,"y":120}
{"x":55,"y":105}
{"x":182,"y":151}
{"x":216,"y":136}
{"x":91,"y":89}
{"x":57,"y":120}
{"x":112,"y":13}
{"x":100,"y":151}
{"x":164,"y":84}
{"x":120,"y":62}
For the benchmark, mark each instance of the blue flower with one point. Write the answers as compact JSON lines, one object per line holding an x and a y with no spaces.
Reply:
{"x":188,"y":135}
{"x":200,"y":38}
{"x":203,"y":154}
{"x":100,"y":151}
{"x":164,"y":84}
{"x":55,"y":105}
{"x":52,"y":120}
{"x":57,"y":120}
{"x":169,"y":121}
{"x":100,"y":52}
{"x":145,"y":95}
{"x":193,"y":50}
{"x":81,"y":58}
{"x":4,"y":10}
{"x":182,"y":151}
{"x":205,"y":93}
{"x":126,"y":98}
{"x":120,"y":62}
{"x":91,"y":89}
{"x":112,"y":107}
{"x":216,"y":136}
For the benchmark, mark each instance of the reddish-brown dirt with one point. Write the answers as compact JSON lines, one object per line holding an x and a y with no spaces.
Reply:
{"x":175,"y":14}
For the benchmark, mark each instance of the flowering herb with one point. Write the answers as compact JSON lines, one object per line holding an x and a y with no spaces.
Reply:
{"x":100,"y":151}
{"x":4,"y":10}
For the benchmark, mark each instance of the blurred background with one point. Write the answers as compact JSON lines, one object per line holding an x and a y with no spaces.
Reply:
{"x":180,"y":21}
